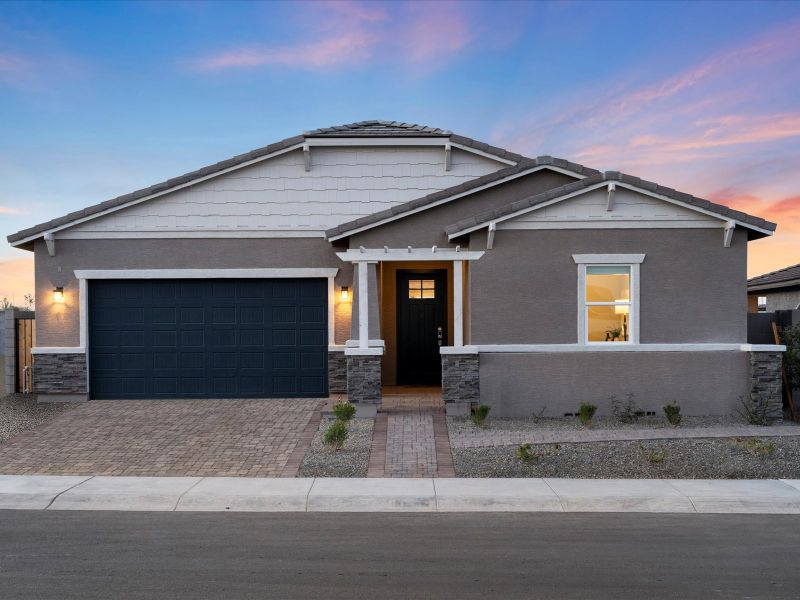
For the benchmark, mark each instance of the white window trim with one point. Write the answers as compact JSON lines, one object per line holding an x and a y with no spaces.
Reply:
{"x":604,"y":260}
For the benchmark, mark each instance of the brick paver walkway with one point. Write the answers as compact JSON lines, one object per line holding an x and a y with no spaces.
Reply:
{"x":476,"y":437}
{"x":254,"y":438}
{"x":410,"y":436}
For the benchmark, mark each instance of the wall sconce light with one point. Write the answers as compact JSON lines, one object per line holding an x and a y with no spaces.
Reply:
{"x":345,"y":293}
{"x":58,"y":295}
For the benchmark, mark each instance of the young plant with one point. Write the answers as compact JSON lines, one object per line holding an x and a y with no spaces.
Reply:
{"x":479,"y":414}
{"x":538,"y":416}
{"x":673,"y":413}
{"x":758,"y":448}
{"x":754,"y":412}
{"x":626,"y":410}
{"x":336,"y":435}
{"x":344,"y":411}
{"x":655,"y":456}
{"x":526,"y":454}
{"x":586,"y":412}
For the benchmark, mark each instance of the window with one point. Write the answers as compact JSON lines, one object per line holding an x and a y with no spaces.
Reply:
{"x":608,"y":298}
{"x":762,"y":303}
{"x":608,"y":303}
{"x":419,"y":289}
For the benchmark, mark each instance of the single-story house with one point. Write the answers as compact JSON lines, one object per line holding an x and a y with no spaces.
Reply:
{"x":778,"y":290}
{"x":384,"y":253}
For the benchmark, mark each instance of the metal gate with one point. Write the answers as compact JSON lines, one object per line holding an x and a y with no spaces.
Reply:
{"x":25,"y":333}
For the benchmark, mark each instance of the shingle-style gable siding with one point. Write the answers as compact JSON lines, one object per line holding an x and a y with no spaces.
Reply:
{"x":343,"y":183}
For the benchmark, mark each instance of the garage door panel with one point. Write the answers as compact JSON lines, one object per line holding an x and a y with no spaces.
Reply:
{"x":208,"y":338}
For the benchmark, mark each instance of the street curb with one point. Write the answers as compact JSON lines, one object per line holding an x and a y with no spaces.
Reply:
{"x":240,"y":494}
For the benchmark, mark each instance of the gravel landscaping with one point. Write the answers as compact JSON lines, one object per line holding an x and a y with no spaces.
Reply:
{"x":21,"y":412}
{"x":721,"y":458}
{"x":351,"y":461}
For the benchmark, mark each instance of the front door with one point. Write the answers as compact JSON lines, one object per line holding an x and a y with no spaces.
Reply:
{"x":421,"y":326}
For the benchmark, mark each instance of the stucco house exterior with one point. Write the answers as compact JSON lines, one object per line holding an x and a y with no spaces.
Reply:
{"x":384,"y":253}
{"x":777,"y":290}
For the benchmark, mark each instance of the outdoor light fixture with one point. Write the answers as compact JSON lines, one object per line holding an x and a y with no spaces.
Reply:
{"x":58,"y":295}
{"x":345,"y":292}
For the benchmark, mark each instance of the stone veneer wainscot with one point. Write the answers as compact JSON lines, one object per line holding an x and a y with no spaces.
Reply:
{"x":59,"y":373}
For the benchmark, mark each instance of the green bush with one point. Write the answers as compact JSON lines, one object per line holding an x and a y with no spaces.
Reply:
{"x":525,"y":453}
{"x":336,"y":435}
{"x":344,"y":411}
{"x":586,"y":412}
{"x":673,"y":413}
{"x":479,"y":414}
{"x":758,"y":448}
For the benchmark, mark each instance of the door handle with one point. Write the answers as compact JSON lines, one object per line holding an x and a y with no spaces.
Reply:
{"x":439,"y":335}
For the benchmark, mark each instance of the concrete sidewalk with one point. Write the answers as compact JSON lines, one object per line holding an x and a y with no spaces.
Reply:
{"x":44,"y":492}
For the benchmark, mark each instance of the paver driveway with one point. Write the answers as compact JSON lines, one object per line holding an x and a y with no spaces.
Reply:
{"x":254,"y":438}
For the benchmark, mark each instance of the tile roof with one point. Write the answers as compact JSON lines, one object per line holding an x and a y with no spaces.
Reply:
{"x":503,"y":211}
{"x":373,"y":128}
{"x":397,"y":211}
{"x":781,"y":276}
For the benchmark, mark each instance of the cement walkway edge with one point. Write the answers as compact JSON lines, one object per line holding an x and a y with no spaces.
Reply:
{"x":45,"y":492}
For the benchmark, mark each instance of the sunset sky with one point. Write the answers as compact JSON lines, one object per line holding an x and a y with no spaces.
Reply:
{"x":99,"y":99}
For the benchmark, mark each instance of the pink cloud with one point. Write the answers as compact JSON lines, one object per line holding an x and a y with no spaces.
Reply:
{"x":8,"y":210}
{"x":352,"y":33}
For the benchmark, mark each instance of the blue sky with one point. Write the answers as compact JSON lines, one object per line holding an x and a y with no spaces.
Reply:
{"x":99,"y":99}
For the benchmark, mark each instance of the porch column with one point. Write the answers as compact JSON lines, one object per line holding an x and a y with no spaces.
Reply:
{"x":458,"y":303}
{"x":363,"y":305}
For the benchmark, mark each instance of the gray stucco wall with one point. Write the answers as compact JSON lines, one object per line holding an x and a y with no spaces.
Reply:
{"x":426,"y":229}
{"x":702,"y":383}
{"x":693,"y":289}
{"x":58,"y":324}
{"x":782,"y":299}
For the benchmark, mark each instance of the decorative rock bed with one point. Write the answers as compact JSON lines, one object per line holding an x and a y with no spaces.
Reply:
{"x":351,"y":461}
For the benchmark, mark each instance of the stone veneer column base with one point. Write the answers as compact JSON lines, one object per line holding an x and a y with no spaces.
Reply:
{"x":59,"y":374}
{"x":337,"y":373}
{"x":766,"y":383}
{"x":461,"y":382}
{"x":364,"y":379}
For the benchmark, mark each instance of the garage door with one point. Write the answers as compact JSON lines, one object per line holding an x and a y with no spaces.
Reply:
{"x":218,"y":338}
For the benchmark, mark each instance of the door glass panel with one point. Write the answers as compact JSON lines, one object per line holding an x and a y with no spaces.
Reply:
{"x":421,"y":288}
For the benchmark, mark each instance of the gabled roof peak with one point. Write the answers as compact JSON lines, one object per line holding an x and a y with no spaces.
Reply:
{"x":378,"y":128}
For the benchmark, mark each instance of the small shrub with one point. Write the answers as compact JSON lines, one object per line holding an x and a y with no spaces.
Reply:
{"x":655,"y":456}
{"x":758,"y":448}
{"x":755,"y":413}
{"x":479,"y":414}
{"x":673,"y":413}
{"x":586,"y":412}
{"x":344,"y":411}
{"x":538,"y":416}
{"x":626,"y":410}
{"x":526,"y":454}
{"x":336,"y":435}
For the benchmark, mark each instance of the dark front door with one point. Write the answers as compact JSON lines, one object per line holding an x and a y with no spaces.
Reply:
{"x":421,"y":326}
{"x":213,"y":338}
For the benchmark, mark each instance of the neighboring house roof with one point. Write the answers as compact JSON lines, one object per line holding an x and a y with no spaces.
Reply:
{"x":474,"y":185}
{"x":364,"y":129}
{"x":786,"y":277}
{"x":481,"y":220}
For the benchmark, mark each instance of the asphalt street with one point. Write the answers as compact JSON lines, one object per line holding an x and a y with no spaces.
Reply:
{"x":110,"y":555}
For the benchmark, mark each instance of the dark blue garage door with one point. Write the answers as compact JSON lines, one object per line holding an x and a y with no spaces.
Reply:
{"x":218,"y":338}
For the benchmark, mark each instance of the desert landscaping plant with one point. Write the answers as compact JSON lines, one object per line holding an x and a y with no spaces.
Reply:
{"x":538,"y":415}
{"x":526,"y":454}
{"x":655,"y":456}
{"x":344,"y":411}
{"x":790,"y":337}
{"x":756,"y":447}
{"x":336,"y":435}
{"x":673,"y":413}
{"x":479,"y":414}
{"x":586,"y":412}
{"x":625,"y":410}
{"x":754,"y":412}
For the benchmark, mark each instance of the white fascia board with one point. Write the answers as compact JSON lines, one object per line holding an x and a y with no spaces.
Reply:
{"x":158,"y":194}
{"x":288,"y":273}
{"x":608,"y":259}
{"x":723,"y":219}
{"x":363,"y":351}
{"x":454,"y":197}
{"x":401,"y":255}
{"x":624,"y":347}
{"x":58,"y":350}
{"x":608,"y":224}
{"x":506,"y":161}
{"x":458,"y":350}
{"x":192,"y":234}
